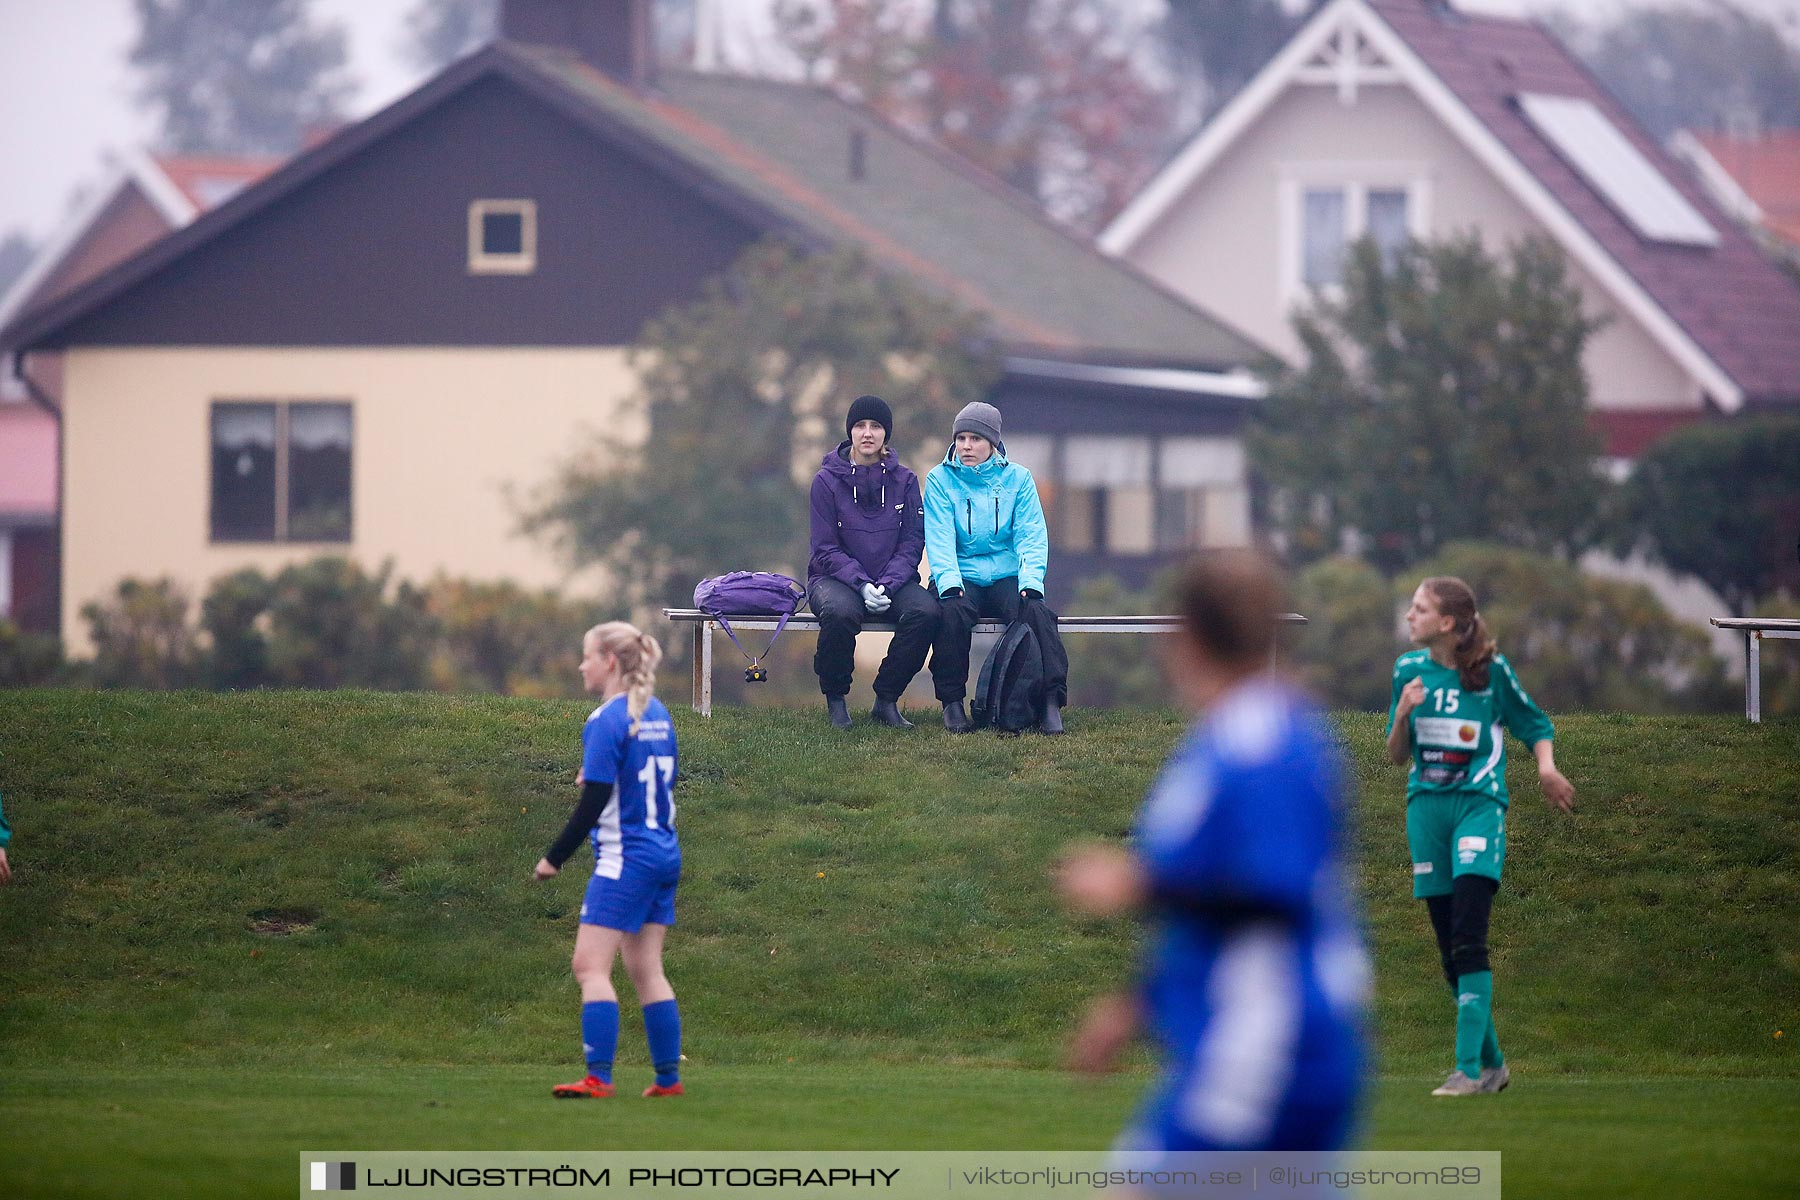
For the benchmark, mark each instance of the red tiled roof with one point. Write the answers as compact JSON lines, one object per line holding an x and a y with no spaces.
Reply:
{"x":1768,"y":169}
{"x":207,"y":181}
{"x":1739,"y":307}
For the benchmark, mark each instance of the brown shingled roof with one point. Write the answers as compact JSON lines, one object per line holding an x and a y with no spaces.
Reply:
{"x":1737,"y":305}
{"x":922,"y":211}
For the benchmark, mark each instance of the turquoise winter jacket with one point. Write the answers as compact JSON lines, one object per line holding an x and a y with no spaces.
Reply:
{"x":984,"y":523}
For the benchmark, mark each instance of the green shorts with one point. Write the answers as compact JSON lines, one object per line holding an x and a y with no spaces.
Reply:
{"x":1451,"y":834}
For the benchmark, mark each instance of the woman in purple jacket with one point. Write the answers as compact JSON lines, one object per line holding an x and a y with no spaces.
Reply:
{"x":868,"y":534}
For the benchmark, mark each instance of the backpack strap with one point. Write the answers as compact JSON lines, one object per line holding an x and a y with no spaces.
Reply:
{"x":757,"y":660}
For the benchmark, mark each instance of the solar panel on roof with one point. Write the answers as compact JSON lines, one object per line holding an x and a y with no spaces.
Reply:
{"x":1616,"y":169}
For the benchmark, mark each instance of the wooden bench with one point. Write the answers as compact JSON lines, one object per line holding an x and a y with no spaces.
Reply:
{"x":704,"y":626}
{"x":1755,"y":629}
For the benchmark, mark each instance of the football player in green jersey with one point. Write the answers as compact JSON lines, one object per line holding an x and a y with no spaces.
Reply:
{"x":1453,"y":701}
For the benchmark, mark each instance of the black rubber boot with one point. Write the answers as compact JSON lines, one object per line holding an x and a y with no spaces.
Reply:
{"x":1052,"y":722}
{"x":838,"y":711}
{"x":955,"y":719}
{"x":886,"y":712}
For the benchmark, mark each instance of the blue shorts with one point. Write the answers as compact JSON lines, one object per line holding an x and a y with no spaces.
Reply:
{"x":1314,"y":1114}
{"x":643,"y":894}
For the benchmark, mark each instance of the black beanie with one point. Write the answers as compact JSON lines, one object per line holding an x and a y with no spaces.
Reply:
{"x":870,"y":408}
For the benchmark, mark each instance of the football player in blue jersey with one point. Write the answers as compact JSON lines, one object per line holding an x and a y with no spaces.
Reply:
{"x":1255,"y":979}
{"x":627,"y":809}
{"x":1454,"y":700}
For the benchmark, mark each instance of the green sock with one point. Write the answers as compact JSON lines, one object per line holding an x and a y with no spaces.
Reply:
{"x":1490,"y":1041}
{"x":1474,"y":1020}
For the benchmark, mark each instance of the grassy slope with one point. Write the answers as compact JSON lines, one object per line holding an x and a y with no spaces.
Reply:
{"x":841,"y":900}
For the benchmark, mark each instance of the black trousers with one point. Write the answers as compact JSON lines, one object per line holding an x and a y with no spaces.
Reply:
{"x":998,"y":601}
{"x":840,"y":610}
{"x":1460,"y":921}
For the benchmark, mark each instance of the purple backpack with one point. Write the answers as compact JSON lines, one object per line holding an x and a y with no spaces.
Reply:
{"x":750,"y":594}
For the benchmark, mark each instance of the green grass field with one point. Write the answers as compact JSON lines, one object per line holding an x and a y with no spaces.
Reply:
{"x":246,"y":925}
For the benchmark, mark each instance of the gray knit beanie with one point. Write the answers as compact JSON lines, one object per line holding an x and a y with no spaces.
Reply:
{"x":978,"y":418}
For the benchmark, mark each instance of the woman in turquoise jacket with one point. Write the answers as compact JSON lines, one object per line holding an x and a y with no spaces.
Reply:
{"x":989,"y":549}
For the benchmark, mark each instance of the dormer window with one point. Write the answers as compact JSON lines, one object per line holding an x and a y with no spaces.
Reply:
{"x":502,"y":237}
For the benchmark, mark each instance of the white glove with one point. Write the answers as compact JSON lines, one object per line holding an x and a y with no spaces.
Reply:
{"x":875,"y":597}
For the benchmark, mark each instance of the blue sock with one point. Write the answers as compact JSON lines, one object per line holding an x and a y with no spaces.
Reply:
{"x":600,"y":1036}
{"x":662,"y":1029}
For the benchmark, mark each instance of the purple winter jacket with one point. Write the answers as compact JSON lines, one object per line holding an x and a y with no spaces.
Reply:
{"x":868,"y":523}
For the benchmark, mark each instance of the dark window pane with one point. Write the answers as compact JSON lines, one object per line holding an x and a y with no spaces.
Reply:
{"x":1079,"y":524}
{"x":319,"y":473}
{"x":1180,"y":514}
{"x":1387,"y":223}
{"x":502,"y":233}
{"x":1322,"y":233}
{"x":243,"y":472}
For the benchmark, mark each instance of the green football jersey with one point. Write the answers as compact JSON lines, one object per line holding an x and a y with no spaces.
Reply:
{"x":1458,"y":740}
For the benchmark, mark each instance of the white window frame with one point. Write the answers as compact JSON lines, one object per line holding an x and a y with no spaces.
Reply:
{"x":1356,"y":181}
{"x":522,"y":263}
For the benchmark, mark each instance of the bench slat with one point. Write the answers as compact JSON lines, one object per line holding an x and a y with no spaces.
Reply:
{"x":1158,"y":623}
{"x":1774,"y":625}
{"x":704,"y":625}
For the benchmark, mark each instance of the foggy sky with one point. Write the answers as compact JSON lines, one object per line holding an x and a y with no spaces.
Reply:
{"x":65,"y":87}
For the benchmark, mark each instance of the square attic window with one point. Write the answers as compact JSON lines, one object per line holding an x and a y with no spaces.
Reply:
{"x":502,"y":237}
{"x":1617,"y":169}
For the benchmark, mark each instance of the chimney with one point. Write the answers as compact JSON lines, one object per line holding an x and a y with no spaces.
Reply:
{"x":611,"y":35}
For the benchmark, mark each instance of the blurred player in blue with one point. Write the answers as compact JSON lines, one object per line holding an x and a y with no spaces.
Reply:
{"x":627,"y":809}
{"x":1255,"y":978}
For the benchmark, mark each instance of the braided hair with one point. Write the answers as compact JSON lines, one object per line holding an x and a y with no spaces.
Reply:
{"x":638,"y":656}
{"x":1475,"y":648}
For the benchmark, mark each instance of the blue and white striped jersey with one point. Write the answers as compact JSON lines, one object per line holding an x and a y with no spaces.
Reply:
{"x":1256,"y":979}
{"x":639,"y":819}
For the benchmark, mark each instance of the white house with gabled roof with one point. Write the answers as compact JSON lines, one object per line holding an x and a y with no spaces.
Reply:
{"x":1415,"y":118}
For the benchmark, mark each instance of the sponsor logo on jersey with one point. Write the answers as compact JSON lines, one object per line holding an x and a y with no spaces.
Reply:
{"x":1453,"y":732}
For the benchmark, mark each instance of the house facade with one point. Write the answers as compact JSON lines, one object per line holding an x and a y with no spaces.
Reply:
{"x":1403,"y":119}
{"x":383,"y":347}
{"x":144,"y":198}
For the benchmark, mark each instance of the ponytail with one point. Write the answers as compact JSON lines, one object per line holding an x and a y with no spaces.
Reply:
{"x":638,"y":655}
{"x":1475,"y":648}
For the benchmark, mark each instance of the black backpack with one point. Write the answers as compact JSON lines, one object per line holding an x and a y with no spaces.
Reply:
{"x":1010,"y":693}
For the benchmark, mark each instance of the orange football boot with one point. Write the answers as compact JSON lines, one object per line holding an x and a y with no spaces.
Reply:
{"x":589,"y":1088}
